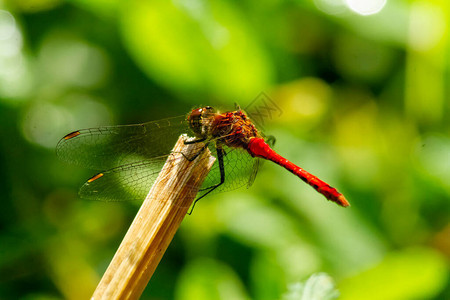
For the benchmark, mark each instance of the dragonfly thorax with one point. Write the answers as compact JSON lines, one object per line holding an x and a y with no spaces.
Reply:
{"x":233,"y":129}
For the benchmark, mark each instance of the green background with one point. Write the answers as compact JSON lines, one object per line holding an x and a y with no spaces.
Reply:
{"x":365,"y":106}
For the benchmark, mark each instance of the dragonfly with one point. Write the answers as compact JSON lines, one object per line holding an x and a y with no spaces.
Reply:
{"x":131,"y":156}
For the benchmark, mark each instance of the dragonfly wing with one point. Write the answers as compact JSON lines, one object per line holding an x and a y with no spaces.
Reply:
{"x":256,"y":164}
{"x":128,"y":182}
{"x":110,"y":146}
{"x":240,"y":170}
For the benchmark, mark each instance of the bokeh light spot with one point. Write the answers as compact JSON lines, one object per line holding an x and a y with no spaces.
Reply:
{"x":303,"y":100}
{"x":366,"y":7}
{"x":45,"y":123}
{"x":427,"y":26}
{"x":39,"y":124}
{"x":69,"y":60}
{"x":15,"y":80}
{"x":7,"y":25}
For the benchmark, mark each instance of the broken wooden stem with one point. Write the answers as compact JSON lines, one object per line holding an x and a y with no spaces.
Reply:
{"x":156,"y":223}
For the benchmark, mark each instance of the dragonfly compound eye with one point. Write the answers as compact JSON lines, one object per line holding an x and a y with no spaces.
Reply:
{"x":209,"y":110}
{"x":199,"y":120}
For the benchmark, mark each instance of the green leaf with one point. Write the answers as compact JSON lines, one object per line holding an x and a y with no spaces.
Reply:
{"x":196,"y":46}
{"x":417,"y":273}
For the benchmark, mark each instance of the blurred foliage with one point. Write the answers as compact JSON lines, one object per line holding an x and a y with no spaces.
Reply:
{"x":318,"y":287}
{"x":365,"y":102}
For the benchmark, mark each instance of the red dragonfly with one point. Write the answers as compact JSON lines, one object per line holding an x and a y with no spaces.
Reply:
{"x":133,"y":155}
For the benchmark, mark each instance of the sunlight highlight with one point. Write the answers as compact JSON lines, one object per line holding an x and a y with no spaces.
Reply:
{"x":14,"y":77}
{"x":366,"y":7}
{"x":7,"y":25}
{"x":428,"y":26}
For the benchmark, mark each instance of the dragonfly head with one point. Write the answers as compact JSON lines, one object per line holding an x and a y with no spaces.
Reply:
{"x":200,"y":120}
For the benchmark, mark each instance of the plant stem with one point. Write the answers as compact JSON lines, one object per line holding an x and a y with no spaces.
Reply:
{"x":155,"y":224}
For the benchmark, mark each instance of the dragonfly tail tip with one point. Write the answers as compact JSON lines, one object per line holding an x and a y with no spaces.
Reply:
{"x":342,"y":201}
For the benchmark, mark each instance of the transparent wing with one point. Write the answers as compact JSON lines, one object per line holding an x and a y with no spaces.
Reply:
{"x":260,"y":162}
{"x":128,"y":182}
{"x":111,"y":146}
{"x":240,"y":170}
{"x":133,"y":181}
{"x":133,"y":156}
{"x":239,"y":166}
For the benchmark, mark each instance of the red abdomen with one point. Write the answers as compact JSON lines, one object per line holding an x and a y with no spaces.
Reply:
{"x":259,"y":148}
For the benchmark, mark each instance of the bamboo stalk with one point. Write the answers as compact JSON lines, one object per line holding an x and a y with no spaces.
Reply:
{"x":155,"y":224}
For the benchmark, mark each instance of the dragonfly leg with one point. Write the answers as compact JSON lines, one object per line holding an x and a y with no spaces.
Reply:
{"x":191,"y":158}
{"x":220,"y":154}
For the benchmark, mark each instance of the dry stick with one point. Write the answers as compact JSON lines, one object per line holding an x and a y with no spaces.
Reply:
{"x":155,"y":224}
